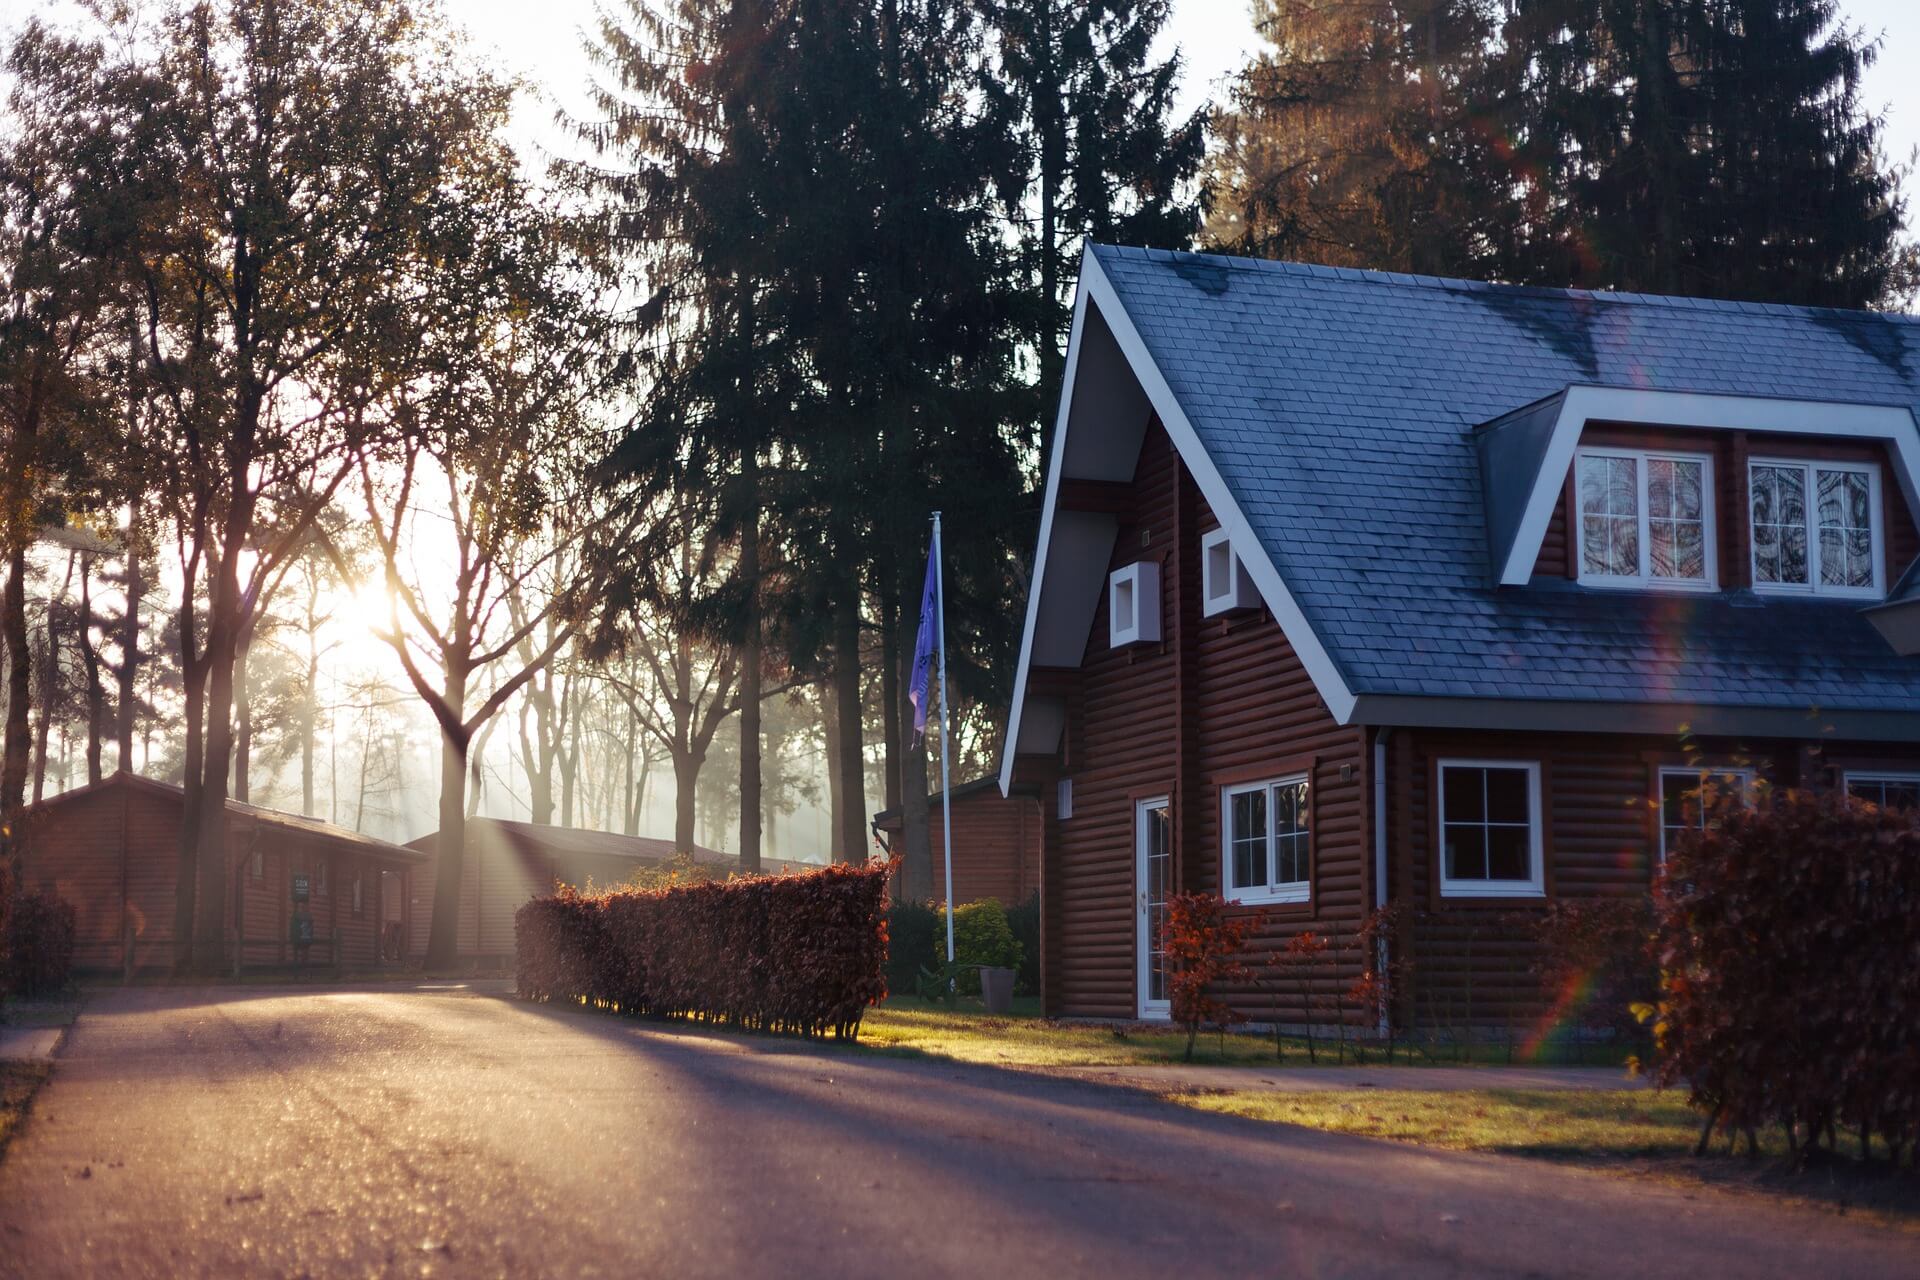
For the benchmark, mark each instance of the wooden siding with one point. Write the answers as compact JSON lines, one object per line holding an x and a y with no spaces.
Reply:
{"x":1471,"y":959}
{"x":113,"y":852}
{"x":1730,"y":451}
{"x":1219,"y":700}
{"x":996,"y":845}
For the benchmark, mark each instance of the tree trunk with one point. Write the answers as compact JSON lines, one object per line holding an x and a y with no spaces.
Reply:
{"x":443,"y":936}
{"x":224,"y":621}
{"x":243,"y":714}
{"x":890,"y":718}
{"x":19,"y":732}
{"x":917,"y":874}
{"x":309,"y":720}
{"x":686,"y":777}
{"x":570,"y":762}
{"x":850,"y":840}
{"x":49,"y":695}
{"x":193,"y":682}
{"x":90,"y":663}
{"x":836,"y":792}
{"x":130,"y":654}
{"x":750,"y":669}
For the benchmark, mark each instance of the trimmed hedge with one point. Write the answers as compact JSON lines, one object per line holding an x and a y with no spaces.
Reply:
{"x":1790,"y":950}
{"x":801,"y":954}
{"x":39,"y":945}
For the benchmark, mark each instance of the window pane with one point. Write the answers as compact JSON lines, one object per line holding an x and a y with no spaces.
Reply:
{"x":1507,"y":796}
{"x":1845,"y":511}
{"x":1676,"y":519}
{"x":1249,"y":836}
{"x":1509,"y":853}
{"x":1778,"y":497}
{"x":1466,"y":852}
{"x":1290,"y":856}
{"x":1464,"y":793}
{"x":1679,"y":800}
{"x":1610,"y":516}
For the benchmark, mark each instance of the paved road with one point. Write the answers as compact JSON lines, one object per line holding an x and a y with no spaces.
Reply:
{"x":289,"y":1132}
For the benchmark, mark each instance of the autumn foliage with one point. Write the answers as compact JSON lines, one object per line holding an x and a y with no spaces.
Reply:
{"x":1790,"y":948}
{"x":1203,"y":946}
{"x":801,"y":954}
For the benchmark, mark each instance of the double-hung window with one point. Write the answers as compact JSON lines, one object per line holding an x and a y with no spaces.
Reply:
{"x":1490,"y":825}
{"x":1815,"y":526}
{"x":1885,"y":790}
{"x":1689,"y":797}
{"x":1267,"y":838}
{"x":1645,"y":518}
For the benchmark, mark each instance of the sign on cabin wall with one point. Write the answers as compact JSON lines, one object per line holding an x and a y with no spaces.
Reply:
{"x":301,"y":886}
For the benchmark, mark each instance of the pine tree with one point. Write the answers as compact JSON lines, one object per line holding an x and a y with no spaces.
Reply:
{"x":1097,"y":152}
{"x":1706,"y":147}
{"x":1359,"y":139}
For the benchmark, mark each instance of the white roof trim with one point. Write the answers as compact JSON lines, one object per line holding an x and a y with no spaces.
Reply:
{"x":1761,"y":414}
{"x":1095,"y":287}
{"x":1011,"y":747}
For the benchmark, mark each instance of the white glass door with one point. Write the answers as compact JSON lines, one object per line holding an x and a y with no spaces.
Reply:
{"x":1152,"y":878}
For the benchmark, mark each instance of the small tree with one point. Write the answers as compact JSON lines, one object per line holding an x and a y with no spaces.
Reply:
{"x":1297,"y":963}
{"x":1203,"y":947}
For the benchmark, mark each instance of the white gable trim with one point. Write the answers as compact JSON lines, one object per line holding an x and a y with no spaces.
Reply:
{"x":1011,"y":746}
{"x":1761,"y":414}
{"x":1320,"y":667}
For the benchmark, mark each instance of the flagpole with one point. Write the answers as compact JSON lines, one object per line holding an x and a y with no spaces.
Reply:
{"x":946,"y":777}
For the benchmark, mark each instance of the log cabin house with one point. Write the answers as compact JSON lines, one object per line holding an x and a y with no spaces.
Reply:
{"x":1357,"y":588}
{"x":112,"y":849}
{"x":996,"y":842}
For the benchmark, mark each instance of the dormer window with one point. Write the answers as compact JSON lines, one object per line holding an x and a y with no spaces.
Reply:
{"x":1646,"y":519}
{"x":1133,"y":604}
{"x":1815,"y":527}
{"x":1223,"y":578}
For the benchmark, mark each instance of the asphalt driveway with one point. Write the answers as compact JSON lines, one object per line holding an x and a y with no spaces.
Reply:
{"x":440,"y":1130}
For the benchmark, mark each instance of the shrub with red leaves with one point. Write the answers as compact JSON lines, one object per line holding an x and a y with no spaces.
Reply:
{"x":1790,"y":948}
{"x":39,"y":944}
{"x":800,"y":954}
{"x":1203,"y":946}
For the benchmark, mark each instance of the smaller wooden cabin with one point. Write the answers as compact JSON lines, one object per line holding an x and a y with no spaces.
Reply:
{"x":299,"y":891}
{"x":509,"y":862}
{"x":996,"y":842}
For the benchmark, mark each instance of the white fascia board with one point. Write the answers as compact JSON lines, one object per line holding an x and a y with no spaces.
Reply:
{"x":1326,"y":676}
{"x":1764,"y":414}
{"x":1037,"y":581}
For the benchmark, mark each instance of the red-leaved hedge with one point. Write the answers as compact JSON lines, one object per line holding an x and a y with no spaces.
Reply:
{"x":1790,"y":950}
{"x":799,"y":954}
{"x":39,"y":944}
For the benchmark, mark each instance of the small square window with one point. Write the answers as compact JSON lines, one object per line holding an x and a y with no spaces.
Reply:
{"x":1133,"y":604}
{"x":257,"y":868}
{"x":359,"y":895}
{"x":1490,"y":830}
{"x":1690,"y":797}
{"x":1644,"y":519}
{"x":1225,"y":586}
{"x":1815,"y":527}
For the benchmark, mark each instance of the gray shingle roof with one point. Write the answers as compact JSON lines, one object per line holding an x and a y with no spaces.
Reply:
{"x":1339,"y":406}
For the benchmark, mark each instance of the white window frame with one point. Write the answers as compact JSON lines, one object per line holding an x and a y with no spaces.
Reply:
{"x":1850,"y":776}
{"x":1749,"y":778}
{"x":1645,"y":578}
{"x":1810,"y":467}
{"x":1139,"y":584}
{"x":1223,"y":593}
{"x":1535,"y":886}
{"x":1272,"y":892}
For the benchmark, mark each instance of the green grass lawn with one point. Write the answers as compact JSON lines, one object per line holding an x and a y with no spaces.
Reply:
{"x":1542,"y":1122}
{"x":964,"y":1032}
{"x":19,"y":1081}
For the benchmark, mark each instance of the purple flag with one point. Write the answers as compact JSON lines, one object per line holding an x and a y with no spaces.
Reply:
{"x":923,"y":643}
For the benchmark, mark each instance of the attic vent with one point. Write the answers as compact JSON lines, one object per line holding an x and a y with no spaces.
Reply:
{"x":1133,"y":604}
{"x":1223,"y":577}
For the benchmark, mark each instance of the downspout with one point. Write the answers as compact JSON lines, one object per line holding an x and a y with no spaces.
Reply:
{"x":1380,"y":868}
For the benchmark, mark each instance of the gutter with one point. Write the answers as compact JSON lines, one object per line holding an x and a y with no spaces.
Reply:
{"x":1380,"y":864}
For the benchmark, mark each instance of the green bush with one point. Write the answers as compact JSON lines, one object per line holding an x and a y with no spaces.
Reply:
{"x":1024,"y":919}
{"x":982,"y":936}
{"x":916,"y":940}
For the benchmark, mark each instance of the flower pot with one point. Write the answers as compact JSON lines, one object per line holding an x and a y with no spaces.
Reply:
{"x":996,"y":989}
